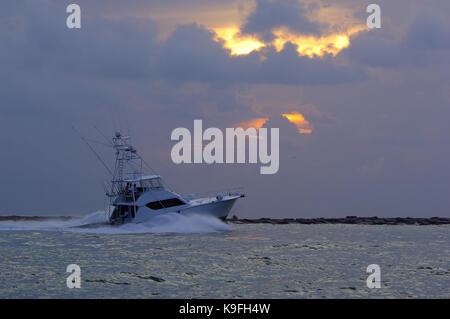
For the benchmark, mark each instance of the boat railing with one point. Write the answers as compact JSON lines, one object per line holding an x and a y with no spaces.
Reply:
{"x":213,"y":193}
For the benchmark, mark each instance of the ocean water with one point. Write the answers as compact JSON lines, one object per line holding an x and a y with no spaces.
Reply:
{"x":196,"y":257}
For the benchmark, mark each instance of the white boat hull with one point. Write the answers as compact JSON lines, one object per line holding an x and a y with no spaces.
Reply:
{"x":218,"y":209}
{"x":204,"y":206}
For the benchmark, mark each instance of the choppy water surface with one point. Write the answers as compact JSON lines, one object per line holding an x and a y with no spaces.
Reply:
{"x":193,"y":257}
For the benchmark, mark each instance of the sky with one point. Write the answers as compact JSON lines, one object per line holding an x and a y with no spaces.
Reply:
{"x":363,"y":113}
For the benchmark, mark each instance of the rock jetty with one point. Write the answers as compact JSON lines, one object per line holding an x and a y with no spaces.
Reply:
{"x":347,"y":220}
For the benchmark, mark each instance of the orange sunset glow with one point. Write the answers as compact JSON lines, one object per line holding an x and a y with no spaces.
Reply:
{"x":236,"y":43}
{"x":257,"y":123}
{"x":308,"y":45}
{"x":303,"y":126}
{"x":316,"y":46}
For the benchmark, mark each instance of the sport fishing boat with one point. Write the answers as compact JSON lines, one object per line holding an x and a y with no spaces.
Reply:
{"x":136,"y":197}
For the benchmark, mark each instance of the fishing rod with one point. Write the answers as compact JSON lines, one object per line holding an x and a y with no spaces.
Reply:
{"x":93,"y":151}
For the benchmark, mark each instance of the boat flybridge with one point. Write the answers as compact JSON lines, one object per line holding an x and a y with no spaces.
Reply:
{"x":136,"y":197}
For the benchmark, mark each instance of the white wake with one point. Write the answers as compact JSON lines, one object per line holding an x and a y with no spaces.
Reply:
{"x":97,"y":223}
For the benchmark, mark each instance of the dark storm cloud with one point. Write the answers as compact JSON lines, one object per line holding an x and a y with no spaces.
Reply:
{"x":192,"y":54}
{"x":374,"y":49}
{"x":287,"y":67}
{"x":269,"y":15}
{"x":423,"y":43}
{"x":104,"y":47}
{"x":289,"y":136}
{"x":127,"y":48}
{"x":429,"y":32}
{"x":34,"y":39}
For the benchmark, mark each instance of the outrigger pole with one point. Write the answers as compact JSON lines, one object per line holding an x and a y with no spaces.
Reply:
{"x":93,"y":151}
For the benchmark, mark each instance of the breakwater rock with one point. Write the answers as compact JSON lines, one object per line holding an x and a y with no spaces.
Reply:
{"x":347,"y":220}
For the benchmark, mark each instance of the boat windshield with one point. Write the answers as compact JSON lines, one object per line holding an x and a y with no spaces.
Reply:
{"x":153,"y":183}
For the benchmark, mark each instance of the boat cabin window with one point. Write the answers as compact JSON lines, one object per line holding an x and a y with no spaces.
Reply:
{"x":165,"y":203}
{"x":155,"y":205}
{"x":172,"y":202}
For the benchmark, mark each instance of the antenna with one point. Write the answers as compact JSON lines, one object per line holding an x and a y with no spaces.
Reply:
{"x":93,"y":151}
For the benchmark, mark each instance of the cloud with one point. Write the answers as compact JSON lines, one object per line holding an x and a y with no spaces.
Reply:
{"x":287,"y":67}
{"x":289,"y":134}
{"x":422,"y":44}
{"x":192,"y":54}
{"x":127,"y":48}
{"x":38,"y":38}
{"x":302,"y":124}
{"x":428,"y":32}
{"x":269,"y":15}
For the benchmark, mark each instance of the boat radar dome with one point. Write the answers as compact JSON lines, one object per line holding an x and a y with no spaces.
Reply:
{"x":117,"y":133}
